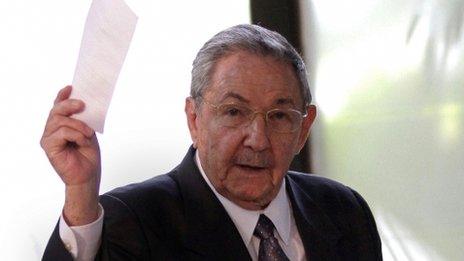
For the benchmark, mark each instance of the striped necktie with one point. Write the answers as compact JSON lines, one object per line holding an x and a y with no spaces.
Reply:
{"x":269,"y":248}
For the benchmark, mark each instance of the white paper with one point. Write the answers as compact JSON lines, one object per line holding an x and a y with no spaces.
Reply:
{"x":107,"y":35}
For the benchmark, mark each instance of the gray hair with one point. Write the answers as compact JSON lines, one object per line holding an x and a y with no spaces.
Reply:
{"x":251,"y":38}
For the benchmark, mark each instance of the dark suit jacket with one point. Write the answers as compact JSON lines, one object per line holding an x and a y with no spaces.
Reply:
{"x":176,"y":216}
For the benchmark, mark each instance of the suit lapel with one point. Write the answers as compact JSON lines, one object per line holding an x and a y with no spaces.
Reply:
{"x":211,"y":234}
{"x":318,"y":233}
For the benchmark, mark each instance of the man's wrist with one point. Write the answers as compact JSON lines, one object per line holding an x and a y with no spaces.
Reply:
{"x":81,"y":204}
{"x":82,"y":241}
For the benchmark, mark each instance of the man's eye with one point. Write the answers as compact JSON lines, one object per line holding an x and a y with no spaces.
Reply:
{"x":232,"y":111}
{"x":279,"y":115}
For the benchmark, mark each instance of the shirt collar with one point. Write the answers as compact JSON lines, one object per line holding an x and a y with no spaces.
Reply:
{"x":278,"y":211}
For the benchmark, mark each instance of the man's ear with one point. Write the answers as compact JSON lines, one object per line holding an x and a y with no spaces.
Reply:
{"x":191,"y":113}
{"x":306,"y":126}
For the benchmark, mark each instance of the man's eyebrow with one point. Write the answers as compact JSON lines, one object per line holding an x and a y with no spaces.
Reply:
{"x":234,"y":95}
{"x":284,"y":101}
{"x":279,"y":101}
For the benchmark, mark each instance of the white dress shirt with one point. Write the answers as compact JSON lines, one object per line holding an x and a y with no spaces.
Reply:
{"x":278,"y":211}
{"x":83,"y":241}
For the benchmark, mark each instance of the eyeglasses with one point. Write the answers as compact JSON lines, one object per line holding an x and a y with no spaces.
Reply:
{"x":277,"y":120}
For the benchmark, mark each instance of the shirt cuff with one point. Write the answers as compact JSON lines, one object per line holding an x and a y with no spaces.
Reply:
{"x":82,"y":241}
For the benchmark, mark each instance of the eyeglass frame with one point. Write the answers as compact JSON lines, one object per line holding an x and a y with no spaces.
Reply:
{"x":254,"y":112}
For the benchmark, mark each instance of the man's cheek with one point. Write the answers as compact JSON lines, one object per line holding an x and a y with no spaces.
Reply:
{"x":285,"y":155}
{"x":289,"y":147}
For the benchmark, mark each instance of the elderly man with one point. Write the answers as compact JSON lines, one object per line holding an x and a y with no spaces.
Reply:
{"x":232,"y":197}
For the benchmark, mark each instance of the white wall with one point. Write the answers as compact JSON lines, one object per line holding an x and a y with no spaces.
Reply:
{"x":145,"y":133}
{"x":389,"y":84}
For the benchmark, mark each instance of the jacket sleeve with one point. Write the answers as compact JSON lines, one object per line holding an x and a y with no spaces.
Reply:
{"x":55,"y":249}
{"x":122,"y":236}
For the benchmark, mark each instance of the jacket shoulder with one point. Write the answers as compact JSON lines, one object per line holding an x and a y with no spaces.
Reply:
{"x":331,"y":195}
{"x":158,"y":186}
{"x":150,"y":196}
{"x":314,"y":184}
{"x":140,"y":217}
{"x":345,"y":207}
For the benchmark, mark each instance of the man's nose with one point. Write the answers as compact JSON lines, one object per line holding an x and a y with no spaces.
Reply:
{"x":257,"y":134}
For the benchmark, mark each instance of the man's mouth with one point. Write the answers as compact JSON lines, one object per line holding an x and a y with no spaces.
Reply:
{"x":251,"y":167}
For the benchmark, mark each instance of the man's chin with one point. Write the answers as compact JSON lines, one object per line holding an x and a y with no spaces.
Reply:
{"x":251,"y":196}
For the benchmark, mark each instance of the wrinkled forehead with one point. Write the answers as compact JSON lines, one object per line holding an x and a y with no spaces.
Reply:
{"x":252,"y":76}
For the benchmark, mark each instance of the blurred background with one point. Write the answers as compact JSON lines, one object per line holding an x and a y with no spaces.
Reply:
{"x":387,"y":77}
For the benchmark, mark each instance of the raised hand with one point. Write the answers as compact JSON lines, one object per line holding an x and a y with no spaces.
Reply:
{"x":72,"y":148}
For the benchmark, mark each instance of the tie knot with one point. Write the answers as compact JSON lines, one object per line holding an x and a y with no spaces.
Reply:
{"x":265,"y":228}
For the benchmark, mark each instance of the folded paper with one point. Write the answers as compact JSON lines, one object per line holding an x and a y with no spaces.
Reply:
{"x":107,"y":35}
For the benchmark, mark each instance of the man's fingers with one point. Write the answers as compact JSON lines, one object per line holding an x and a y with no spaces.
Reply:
{"x":60,"y":128}
{"x":57,"y":121}
{"x":58,"y":140}
{"x":63,"y":94}
{"x":67,"y":107}
{"x":72,"y":135}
